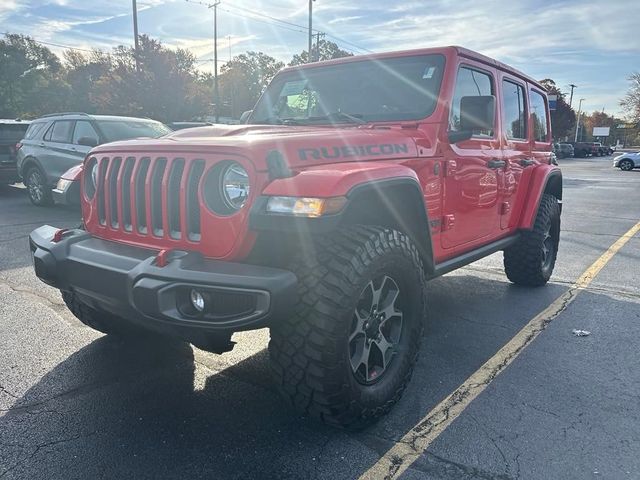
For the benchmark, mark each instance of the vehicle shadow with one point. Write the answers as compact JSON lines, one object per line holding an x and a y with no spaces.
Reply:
{"x":154,"y":410}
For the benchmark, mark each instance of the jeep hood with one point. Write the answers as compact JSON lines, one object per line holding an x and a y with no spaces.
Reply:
{"x":300,"y":146}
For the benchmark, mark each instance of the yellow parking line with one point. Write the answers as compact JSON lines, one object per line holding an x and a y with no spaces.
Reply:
{"x":414,"y":443}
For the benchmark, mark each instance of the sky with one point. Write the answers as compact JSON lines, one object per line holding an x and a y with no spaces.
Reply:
{"x":591,"y":43}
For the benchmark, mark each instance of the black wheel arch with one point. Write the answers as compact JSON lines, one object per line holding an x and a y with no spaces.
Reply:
{"x":395,"y":203}
{"x":28,"y":163}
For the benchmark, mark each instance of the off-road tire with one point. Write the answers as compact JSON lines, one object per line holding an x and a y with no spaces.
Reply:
{"x":626,"y":165}
{"x":310,"y":350}
{"x":101,"y":321}
{"x":524,"y":262}
{"x":35,"y":180}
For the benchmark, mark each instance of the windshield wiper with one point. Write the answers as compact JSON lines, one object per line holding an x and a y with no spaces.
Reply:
{"x":354,"y":118}
{"x":274,"y":120}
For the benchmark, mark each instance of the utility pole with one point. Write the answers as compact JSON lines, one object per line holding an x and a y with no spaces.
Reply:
{"x":578,"y":120}
{"x":216,"y":93}
{"x":571,"y":97}
{"x":135,"y":34}
{"x":310,"y":30}
{"x":317,"y":57}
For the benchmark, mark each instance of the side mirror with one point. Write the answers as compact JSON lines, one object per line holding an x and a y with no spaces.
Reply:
{"x":87,"y":141}
{"x":245,"y":116}
{"x":476,"y":113}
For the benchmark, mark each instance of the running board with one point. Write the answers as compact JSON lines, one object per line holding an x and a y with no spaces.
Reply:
{"x":470,"y":257}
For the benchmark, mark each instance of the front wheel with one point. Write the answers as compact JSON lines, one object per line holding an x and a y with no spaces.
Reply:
{"x":626,"y":165}
{"x":347,"y":353}
{"x":531,"y":260}
{"x":37,"y":188}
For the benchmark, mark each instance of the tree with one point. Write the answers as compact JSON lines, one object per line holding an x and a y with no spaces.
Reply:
{"x":243,"y":79}
{"x":563,"y":118}
{"x":30,"y":81}
{"x":166,"y":88}
{"x":631,"y":101}
{"x":327,"y":51}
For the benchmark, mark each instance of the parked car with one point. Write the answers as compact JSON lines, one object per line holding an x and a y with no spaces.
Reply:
{"x":321,"y":218}
{"x":583,"y":149}
{"x":67,"y":190}
{"x":563,"y":150}
{"x":11,"y":132}
{"x":54,"y":143}
{"x":627,"y":161}
{"x":603,"y":150}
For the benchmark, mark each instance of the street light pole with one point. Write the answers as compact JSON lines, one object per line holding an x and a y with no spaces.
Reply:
{"x":578,"y":120}
{"x":216,"y":93}
{"x":135,"y":34}
{"x":310,"y":30}
{"x":571,"y":97}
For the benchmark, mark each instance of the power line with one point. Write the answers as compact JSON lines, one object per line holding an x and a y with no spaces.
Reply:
{"x":280,"y":23}
{"x":58,"y":44}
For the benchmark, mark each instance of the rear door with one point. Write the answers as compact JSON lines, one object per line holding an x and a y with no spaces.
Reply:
{"x":471,"y":168}
{"x":516,"y":147}
{"x":540,"y":126}
{"x":59,"y":156}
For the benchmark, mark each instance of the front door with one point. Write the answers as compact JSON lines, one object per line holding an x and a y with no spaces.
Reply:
{"x":472,"y":169}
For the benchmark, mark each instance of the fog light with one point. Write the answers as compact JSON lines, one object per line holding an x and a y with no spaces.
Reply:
{"x":197,"y":300}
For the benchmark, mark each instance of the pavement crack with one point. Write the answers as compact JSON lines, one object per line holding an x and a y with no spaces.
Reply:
{"x":7,"y":392}
{"x":37,"y":449}
{"x":468,"y":470}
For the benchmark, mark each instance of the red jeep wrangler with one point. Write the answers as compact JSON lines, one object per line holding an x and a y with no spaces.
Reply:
{"x":354,"y":182}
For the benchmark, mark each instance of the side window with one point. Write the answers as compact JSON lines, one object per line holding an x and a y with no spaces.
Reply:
{"x":34,"y":129}
{"x":539,"y":117}
{"x":470,"y":82}
{"x":83,"y":129}
{"x":514,"y":111}
{"x":47,"y":136}
{"x":61,"y":131}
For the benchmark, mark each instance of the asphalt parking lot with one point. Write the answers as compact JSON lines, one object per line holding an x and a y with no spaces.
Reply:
{"x":76,"y":404}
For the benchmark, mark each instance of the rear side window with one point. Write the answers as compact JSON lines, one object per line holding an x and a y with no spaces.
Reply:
{"x":12,"y":132}
{"x":470,"y":82}
{"x":83,"y":129}
{"x":514,"y":110}
{"x":539,"y":117}
{"x":61,"y":131}
{"x":34,"y":130}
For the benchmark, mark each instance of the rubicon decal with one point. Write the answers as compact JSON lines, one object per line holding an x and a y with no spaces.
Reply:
{"x":352,"y":151}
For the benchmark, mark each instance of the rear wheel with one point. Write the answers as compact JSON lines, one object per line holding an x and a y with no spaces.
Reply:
{"x":531,"y":260}
{"x":347,"y":353}
{"x":37,"y":188}
{"x":626,"y":165}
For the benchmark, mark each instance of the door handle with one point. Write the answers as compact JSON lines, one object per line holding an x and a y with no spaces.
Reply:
{"x":526,"y":162}
{"x":494,"y":163}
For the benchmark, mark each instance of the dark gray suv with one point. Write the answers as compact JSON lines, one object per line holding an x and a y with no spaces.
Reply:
{"x":55,"y":143}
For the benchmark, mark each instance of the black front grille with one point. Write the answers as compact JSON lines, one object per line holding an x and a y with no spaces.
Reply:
{"x":150,"y":196}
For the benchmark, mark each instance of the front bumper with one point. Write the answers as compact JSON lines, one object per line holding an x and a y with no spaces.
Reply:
{"x":68,"y":195}
{"x":127,"y":281}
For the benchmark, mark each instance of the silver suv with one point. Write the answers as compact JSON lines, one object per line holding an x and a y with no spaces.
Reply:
{"x":55,"y":143}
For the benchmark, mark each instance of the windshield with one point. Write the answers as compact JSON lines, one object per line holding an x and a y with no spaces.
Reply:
{"x":401,"y":88}
{"x":123,"y":129}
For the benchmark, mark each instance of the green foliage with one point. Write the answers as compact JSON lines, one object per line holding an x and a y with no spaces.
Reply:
{"x":563,"y":118}
{"x":328,"y":51}
{"x":243,"y":79}
{"x":28,"y":71}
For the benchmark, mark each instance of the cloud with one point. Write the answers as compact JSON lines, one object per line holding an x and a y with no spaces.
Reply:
{"x":586,"y":42}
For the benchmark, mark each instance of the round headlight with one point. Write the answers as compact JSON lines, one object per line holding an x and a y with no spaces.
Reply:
{"x":235,"y":186}
{"x":91,"y":178}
